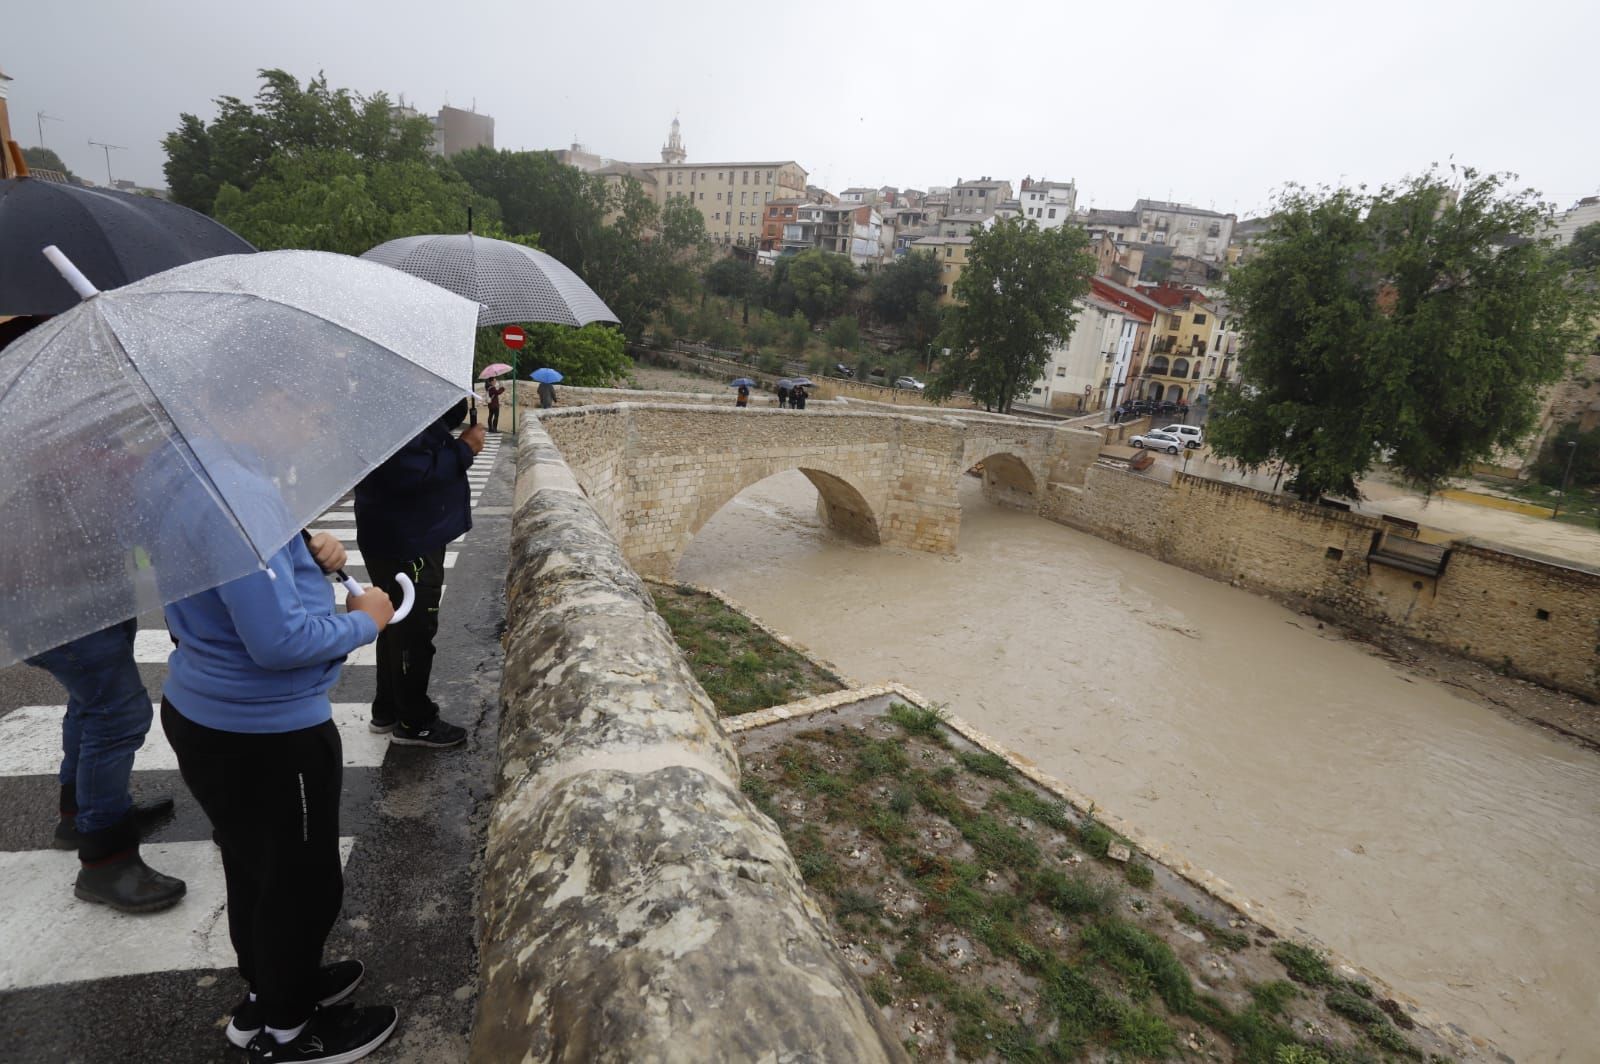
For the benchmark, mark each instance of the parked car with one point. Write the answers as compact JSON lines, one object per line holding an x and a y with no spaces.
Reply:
{"x":1191,"y":435}
{"x":909,"y":382}
{"x":842,"y":370}
{"x":1158,"y":441}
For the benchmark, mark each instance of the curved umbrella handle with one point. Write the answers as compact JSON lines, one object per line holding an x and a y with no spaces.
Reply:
{"x":408,"y":595}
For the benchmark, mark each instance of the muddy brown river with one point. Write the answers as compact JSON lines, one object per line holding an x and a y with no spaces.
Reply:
{"x":1453,"y":852}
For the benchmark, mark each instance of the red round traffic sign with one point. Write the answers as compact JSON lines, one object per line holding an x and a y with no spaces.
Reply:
{"x":513,"y":336}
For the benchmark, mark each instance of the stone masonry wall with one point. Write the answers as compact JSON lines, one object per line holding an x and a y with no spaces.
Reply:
{"x":1537,"y":617}
{"x":635,"y":905}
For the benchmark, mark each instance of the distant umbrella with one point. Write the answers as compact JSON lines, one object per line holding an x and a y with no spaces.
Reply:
{"x":498,"y":369}
{"x":801,"y":382}
{"x":784,"y":382}
{"x":743,"y":382}
{"x":512,"y":283}
{"x":115,"y":238}
{"x":546,"y":375}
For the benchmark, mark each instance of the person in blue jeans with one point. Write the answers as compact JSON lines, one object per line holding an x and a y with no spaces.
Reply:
{"x":108,"y":714}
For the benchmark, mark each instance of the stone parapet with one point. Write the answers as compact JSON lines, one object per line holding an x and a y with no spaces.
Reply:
{"x":635,"y":905}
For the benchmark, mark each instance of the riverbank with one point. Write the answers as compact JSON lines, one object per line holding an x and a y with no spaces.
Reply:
{"x":1399,"y":820}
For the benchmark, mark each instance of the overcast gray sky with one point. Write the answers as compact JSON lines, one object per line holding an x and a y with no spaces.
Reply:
{"x":1215,"y":103}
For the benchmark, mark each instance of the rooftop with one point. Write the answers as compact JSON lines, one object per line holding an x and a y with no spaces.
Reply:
{"x":1180,"y":208}
{"x":1100,"y":216}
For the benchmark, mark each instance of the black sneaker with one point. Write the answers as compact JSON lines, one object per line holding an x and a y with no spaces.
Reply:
{"x":335,"y":982}
{"x":381,"y":725}
{"x":338,"y":1035}
{"x":439,"y":734}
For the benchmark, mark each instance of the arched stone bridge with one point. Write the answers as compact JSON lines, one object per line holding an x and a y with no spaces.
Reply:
{"x":658,"y":472}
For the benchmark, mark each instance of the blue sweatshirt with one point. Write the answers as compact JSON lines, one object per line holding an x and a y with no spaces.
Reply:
{"x":259,"y":654}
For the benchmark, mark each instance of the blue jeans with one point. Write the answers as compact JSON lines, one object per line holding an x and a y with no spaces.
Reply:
{"x":108,"y":714}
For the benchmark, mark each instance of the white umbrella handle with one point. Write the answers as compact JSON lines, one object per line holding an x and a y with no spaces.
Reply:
{"x":80,"y":284}
{"x":408,"y":595}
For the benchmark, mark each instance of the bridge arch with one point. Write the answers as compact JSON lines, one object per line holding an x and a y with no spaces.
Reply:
{"x":1008,"y":481}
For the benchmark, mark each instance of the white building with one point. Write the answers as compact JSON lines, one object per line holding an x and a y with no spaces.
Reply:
{"x":1080,"y":372}
{"x":1048,"y":204}
{"x":1199,"y":234}
{"x":1585,"y":212}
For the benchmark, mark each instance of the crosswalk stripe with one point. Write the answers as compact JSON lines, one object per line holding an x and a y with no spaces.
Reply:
{"x":450,"y":557}
{"x":348,"y":535}
{"x":152,"y":646}
{"x":52,"y":937}
{"x":30,"y":741}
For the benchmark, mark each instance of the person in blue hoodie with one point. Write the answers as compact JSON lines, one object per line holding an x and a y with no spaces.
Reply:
{"x":407,"y":511}
{"x":246,"y":709}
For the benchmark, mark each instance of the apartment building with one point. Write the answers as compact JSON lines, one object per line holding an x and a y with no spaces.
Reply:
{"x":983,"y":196}
{"x":951,"y":254}
{"x":854,"y":230}
{"x":1048,"y":204}
{"x":1079,"y":373}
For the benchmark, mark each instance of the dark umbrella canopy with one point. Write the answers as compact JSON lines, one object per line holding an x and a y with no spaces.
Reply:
{"x":114,"y":237}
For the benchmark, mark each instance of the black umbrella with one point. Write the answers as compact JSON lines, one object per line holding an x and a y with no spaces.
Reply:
{"x":113,"y":237}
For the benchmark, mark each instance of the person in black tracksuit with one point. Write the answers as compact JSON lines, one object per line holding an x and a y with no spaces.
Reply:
{"x":407,"y":510}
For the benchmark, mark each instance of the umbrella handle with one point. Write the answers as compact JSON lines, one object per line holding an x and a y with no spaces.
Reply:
{"x":74,"y":276}
{"x":408,"y":595}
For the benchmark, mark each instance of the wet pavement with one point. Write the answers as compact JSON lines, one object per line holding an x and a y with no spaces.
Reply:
{"x":79,"y":983}
{"x":1452,"y":851}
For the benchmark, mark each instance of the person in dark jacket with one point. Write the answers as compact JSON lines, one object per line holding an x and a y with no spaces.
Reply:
{"x":743,"y":397}
{"x":798,"y":396}
{"x":495,"y":391}
{"x":784,"y":392}
{"x":547,"y":395}
{"x":407,"y":510}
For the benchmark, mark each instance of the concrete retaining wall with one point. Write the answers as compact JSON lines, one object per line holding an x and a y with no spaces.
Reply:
{"x":636,"y":906}
{"x":1533,"y":616}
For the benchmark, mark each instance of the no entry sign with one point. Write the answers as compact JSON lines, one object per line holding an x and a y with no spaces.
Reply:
{"x":513,"y":336}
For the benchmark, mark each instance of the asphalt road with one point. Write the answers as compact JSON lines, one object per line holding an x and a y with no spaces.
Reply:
{"x":81,"y":983}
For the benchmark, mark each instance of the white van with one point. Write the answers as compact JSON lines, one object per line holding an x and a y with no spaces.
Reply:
{"x":1191,"y":435}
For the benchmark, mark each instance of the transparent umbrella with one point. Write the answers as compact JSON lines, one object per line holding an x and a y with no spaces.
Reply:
{"x":171,"y":435}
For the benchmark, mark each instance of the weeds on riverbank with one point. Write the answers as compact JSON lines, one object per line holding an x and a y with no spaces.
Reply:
{"x":986,"y":919}
{"x":740,"y":666}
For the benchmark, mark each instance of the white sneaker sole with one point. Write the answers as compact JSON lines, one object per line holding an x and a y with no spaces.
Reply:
{"x":239,"y":1038}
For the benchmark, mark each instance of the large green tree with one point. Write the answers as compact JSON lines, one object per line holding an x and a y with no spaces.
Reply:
{"x":734,"y":279}
{"x":817,"y":283}
{"x":562,"y":205}
{"x":330,"y":200}
{"x":594,"y":356}
{"x":1017,"y":299}
{"x":45,"y":159}
{"x":1582,"y":254}
{"x":239,"y":146}
{"x":1416,"y":323}
{"x":905,"y":295}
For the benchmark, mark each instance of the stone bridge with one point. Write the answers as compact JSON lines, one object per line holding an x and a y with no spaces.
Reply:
{"x":658,"y":472}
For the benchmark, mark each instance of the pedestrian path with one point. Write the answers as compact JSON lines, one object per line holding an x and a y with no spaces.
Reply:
{"x":49,"y":937}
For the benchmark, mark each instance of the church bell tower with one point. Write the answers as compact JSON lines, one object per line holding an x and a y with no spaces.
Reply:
{"x":672,"y":151}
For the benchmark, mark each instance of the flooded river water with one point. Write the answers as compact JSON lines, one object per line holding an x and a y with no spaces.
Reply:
{"x":1451,"y":851}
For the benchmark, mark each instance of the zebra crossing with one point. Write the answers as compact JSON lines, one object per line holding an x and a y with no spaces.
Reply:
{"x":91,"y":942}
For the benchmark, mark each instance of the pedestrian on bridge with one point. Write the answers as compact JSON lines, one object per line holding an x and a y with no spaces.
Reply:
{"x":798,"y":396}
{"x":407,"y":511}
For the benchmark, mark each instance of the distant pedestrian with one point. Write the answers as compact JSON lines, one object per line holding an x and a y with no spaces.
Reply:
{"x":784,"y":392}
{"x":547,"y":395}
{"x":495,"y":391}
{"x":798,"y":397}
{"x":743,"y":398}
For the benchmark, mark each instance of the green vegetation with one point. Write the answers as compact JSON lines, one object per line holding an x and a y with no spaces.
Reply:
{"x":1018,"y":301}
{"x":1011,"y":945}
{"x":1304,"y":964}
{"x":740,"y":666}
{"x":1421,"y":323}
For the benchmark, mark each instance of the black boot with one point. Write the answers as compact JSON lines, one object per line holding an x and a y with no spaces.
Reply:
{"x":114,"y":874}
{"x":147,"y":815}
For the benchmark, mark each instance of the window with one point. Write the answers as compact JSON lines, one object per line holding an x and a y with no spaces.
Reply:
{"x":719,"y":175}
{"x":1061,"y":371}
{"x":945,"y":267}
{"x":719,"y":197}
{"x":702,"y":197}
{"x":1052,"y":212}
{"x":746,"y":179}
{"x":744,"y":198}
{"x":944,"y":289}
{"x":1199,"y":319}
{"x":769,"y":177}
{"x":1193,"y":225}
{"x":948,"y":252}
{"x":768,"y":199}
{"x":717,"y":217}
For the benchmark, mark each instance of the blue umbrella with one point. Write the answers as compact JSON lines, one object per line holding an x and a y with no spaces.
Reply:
{"x":743,"y":382}
{"x":546,"y":375}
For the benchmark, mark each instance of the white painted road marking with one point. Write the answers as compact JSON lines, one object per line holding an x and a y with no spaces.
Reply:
{"x":450,"y":557}
{"x":30,"y":741}
{"x":152,"y":646}
{"x":52,"y":937}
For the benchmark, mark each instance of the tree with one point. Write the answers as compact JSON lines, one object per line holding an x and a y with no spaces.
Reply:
{"x":1582,"y":254}
{"x":595,"y":356}
{"x":239,"y":146}
{"x":1418,"y":322}
{"x":820,"y":280}
{"x":330,"y":200}
{"x":796,"y":333}
{"x":1016,"y":303}
{"x":539,"y":196}
{"x":844,"y":332}
{"x":45,"y":159}
{"x":734,"y":279}
{"x":905,"y":294}
{"x":647,"y":256}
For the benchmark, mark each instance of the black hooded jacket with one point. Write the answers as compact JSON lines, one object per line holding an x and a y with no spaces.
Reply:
{"x":419,"y":500}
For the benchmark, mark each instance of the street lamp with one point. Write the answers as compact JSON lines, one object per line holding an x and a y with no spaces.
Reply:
{"x":1572,"y":450}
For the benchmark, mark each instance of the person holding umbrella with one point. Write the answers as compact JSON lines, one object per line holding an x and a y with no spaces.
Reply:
{"x":192,"y":477}
{"x":495,"y":390}
{"x":118,"y":238}
{"x":548,"y":379}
